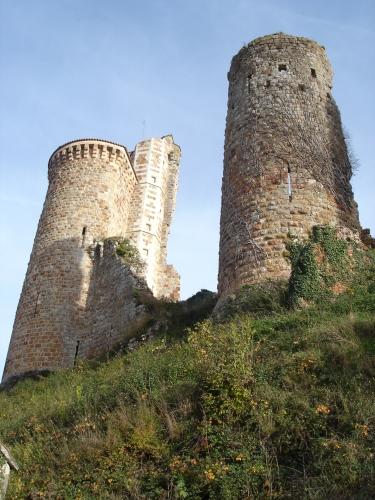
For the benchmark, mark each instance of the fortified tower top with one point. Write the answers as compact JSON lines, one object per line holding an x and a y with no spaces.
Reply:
{"x":88,"y":148}
{"x":293,"y":56}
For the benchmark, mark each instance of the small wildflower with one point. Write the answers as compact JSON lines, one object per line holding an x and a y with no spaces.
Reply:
{"x":322,"y":410}
{"x":209,"y":475}
{"x":363,"y":428}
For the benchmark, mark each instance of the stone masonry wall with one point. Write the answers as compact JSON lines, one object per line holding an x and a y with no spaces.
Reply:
{"x":156,"y":163}
{"x":286,"y":166}
{"x":112,"y":308}
{"x":90,"y":188}
{"x":168,"y":278}
{"x":78,"y":298}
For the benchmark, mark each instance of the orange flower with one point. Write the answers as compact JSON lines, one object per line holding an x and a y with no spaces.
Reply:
{"x":322,"y":410}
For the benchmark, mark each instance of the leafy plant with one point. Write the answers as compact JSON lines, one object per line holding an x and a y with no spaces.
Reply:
{"x":129,"y":253}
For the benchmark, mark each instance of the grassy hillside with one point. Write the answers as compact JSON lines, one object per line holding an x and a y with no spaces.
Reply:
{"x":269,"y":401}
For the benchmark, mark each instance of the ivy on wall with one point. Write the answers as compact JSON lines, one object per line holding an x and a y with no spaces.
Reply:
{"x":324,"y":266}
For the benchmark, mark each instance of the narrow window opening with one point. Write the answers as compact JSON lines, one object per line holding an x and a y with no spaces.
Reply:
{"x":328,"y":95}
{"x":36,"y":303}
{"x":98,"y":251}
{"x":148,"y":227}
{"x":302,"y":87}
{"x":282,"y":67}
{"x":83,"y":235}
{"x":76,"y":353}
{"x":154,"y":180}
{"x":289,"y":185}
{"x":313,"y":73}
{"x":145,"y":251}
{"x":268,"y":84}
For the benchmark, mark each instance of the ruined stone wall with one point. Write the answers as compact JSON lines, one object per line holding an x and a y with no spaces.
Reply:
{"x":168,"y":278}
{"x":169,"y":282}
{"x":90,"y":188}
{"x":156,"y":163}
{"x":286,"y":166}
{"x":112,"y":309}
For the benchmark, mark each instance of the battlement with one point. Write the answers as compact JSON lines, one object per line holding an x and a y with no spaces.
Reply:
{"x":90,"y":148}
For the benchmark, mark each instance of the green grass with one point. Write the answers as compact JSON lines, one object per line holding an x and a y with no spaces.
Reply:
{"x":265,"y":402}
{"x":277,"y":405}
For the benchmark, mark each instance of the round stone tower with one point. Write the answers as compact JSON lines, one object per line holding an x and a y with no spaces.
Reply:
{"x":286,"y":165}
{"x":90,"y":186}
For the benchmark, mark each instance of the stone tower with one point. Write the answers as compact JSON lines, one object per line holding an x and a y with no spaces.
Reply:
{"x":286,"y":165}
{"x":156,"y":164}
{"x":72,"y":298}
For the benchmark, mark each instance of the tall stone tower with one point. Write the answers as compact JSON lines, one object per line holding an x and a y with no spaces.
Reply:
{"x":156,"y":164}
{"x":72,"y":297}
{"x":286,"y":165}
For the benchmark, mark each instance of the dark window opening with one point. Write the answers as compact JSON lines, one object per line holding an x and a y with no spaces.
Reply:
{"x":289,"y":185}
{"x":282,"y":67}
{"x":328,"y":95}
{"x":76,"y":353}
{"x":302,"y":87}
{"x":313,"y":73}
{"x":98,"y":251}
{"x":268,"y":84}
{"x":83,"y":235}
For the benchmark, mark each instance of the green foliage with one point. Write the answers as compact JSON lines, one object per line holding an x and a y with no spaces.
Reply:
{"x":265,"y":298}
{"x":177,"y":317}
{"x":325,"y":266}
{"x":129,"y":253}
{"x":262,"y":405}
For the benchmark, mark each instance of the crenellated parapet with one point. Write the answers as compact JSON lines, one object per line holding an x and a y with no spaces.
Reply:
{"x":89,"y":148}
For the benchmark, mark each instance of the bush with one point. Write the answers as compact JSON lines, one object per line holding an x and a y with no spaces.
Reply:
{"x":326,"y":266}
{"x":266,"y":298}
{"x":129,"y":253}
{"x":269,"y":402}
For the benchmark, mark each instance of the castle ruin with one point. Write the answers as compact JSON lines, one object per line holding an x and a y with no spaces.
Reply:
{"x":286,"y":169}
{"x":286,"y":164}
{"x":77,"y":298}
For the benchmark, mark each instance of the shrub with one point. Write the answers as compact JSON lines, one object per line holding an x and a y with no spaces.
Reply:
{"x":129,"y":253}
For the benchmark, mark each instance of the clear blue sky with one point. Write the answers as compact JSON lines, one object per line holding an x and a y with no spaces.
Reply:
{"x":89,"y":68}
